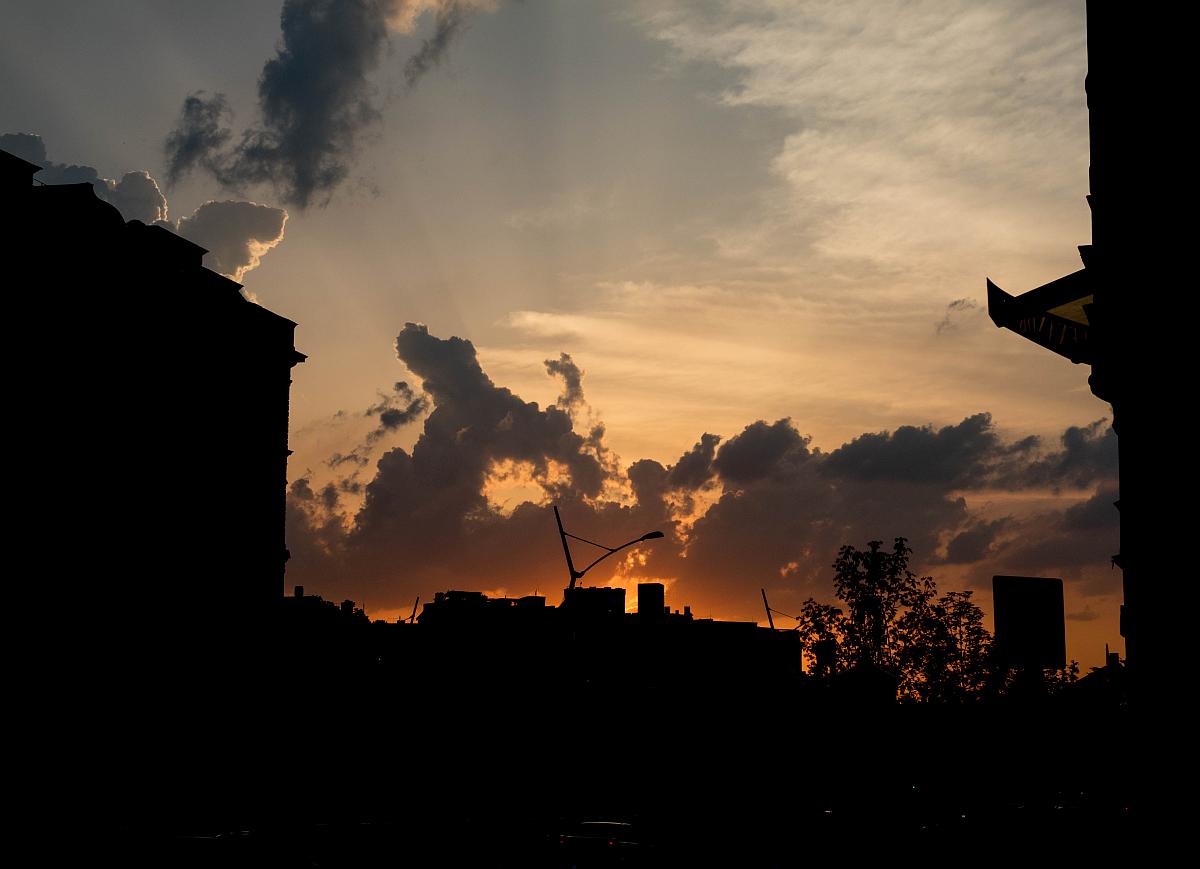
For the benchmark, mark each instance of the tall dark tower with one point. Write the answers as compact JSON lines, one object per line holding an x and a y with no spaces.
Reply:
{"x":1119,"y":313}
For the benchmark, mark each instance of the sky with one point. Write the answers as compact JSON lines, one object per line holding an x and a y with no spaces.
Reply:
{"x":759,"y":232}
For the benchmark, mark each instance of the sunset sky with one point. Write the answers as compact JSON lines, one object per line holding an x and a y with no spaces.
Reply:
{"x":758,"y":229}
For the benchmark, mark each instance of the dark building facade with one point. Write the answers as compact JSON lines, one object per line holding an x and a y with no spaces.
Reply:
{"x":1030,"y":622}
{"x":1118,"y":314}
{"x":155,"y":496}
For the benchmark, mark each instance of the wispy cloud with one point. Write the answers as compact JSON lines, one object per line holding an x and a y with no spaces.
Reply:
{"x":925,"y":133}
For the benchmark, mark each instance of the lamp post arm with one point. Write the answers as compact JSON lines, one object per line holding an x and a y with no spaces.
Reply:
{"x":605,"y":555}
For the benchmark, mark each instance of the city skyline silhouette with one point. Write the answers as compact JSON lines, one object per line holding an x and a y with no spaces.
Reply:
{"x":912,"y":576}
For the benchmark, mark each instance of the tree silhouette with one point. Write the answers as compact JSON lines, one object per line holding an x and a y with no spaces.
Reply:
{"x":822,"y":628}
{"x":943,"y":647}
{"x":875,"y":585}
{"x":937,"y":646}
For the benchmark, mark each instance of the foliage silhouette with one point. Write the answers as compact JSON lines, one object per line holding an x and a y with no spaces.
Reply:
{"x":936,"y":645}
{"x":875,"y":585}
{"x":944,"y":647}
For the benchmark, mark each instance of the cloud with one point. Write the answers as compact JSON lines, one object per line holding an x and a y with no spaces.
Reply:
{"x":925,"y":135}
{"x":395,"y":409}
{"x":400,"y":406}
{"x":197,"y":136}
{"x":135,"y":194}
{"x":954,"y":313}
{"x":565,"y":367}
{"x":761,"y":450}
{"x":449,"y":20}
{"x":975,"y":542}
{"x":236,"y":234}
{"x":316,"y":100}
{"x":1056,"y":543}
{"x":775,"y":513}
{"x":695,"y":467}
{"x":27,"y":146}
{"x":954,"y":456}
{"x":1088,"y":453}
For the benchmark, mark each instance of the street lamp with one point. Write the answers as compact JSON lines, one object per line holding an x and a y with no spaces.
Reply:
{"x":578,"y":574}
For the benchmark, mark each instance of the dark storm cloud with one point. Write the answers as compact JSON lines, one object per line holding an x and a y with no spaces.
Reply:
{"x":972,"y":455}
{"x":425,"y":518}
{"x":974,"y":542}
{"x":315,"y":531}
{"x":782,"y":510}
{"x":198,"y":136}
{"x":1098,"y":512}
{"x":315,"y":97}
{"x":1088,"y":453}
{"x":958,"y":455}
{"x":761,"y":450}
{"x":314,"y":103}
{"x":482,"y":422}
{"x":695,"y":467}
{"x":1061,"y":542}
{"x":648,"y":480}
{"x":236,"y":234}
{"x":786,"y":510}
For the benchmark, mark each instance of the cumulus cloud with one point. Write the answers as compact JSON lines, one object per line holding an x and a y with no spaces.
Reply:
{"x":761,"y":450}
{"x":135,"y":194}
{"x":315,"y":96}
{"x":954,"y":456}
{"x":776,"y":513}
{"x":695,"y":467}
{"x":1088,"y":453}
{"x":236,"y":234}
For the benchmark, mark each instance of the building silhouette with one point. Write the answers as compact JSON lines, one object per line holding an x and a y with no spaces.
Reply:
{"x":1114,"y":314}
{"x":467,"y":643}
{"x":154,"y":488}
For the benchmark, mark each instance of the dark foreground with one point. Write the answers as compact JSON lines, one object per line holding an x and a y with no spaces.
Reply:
{"x":650,"y":781}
